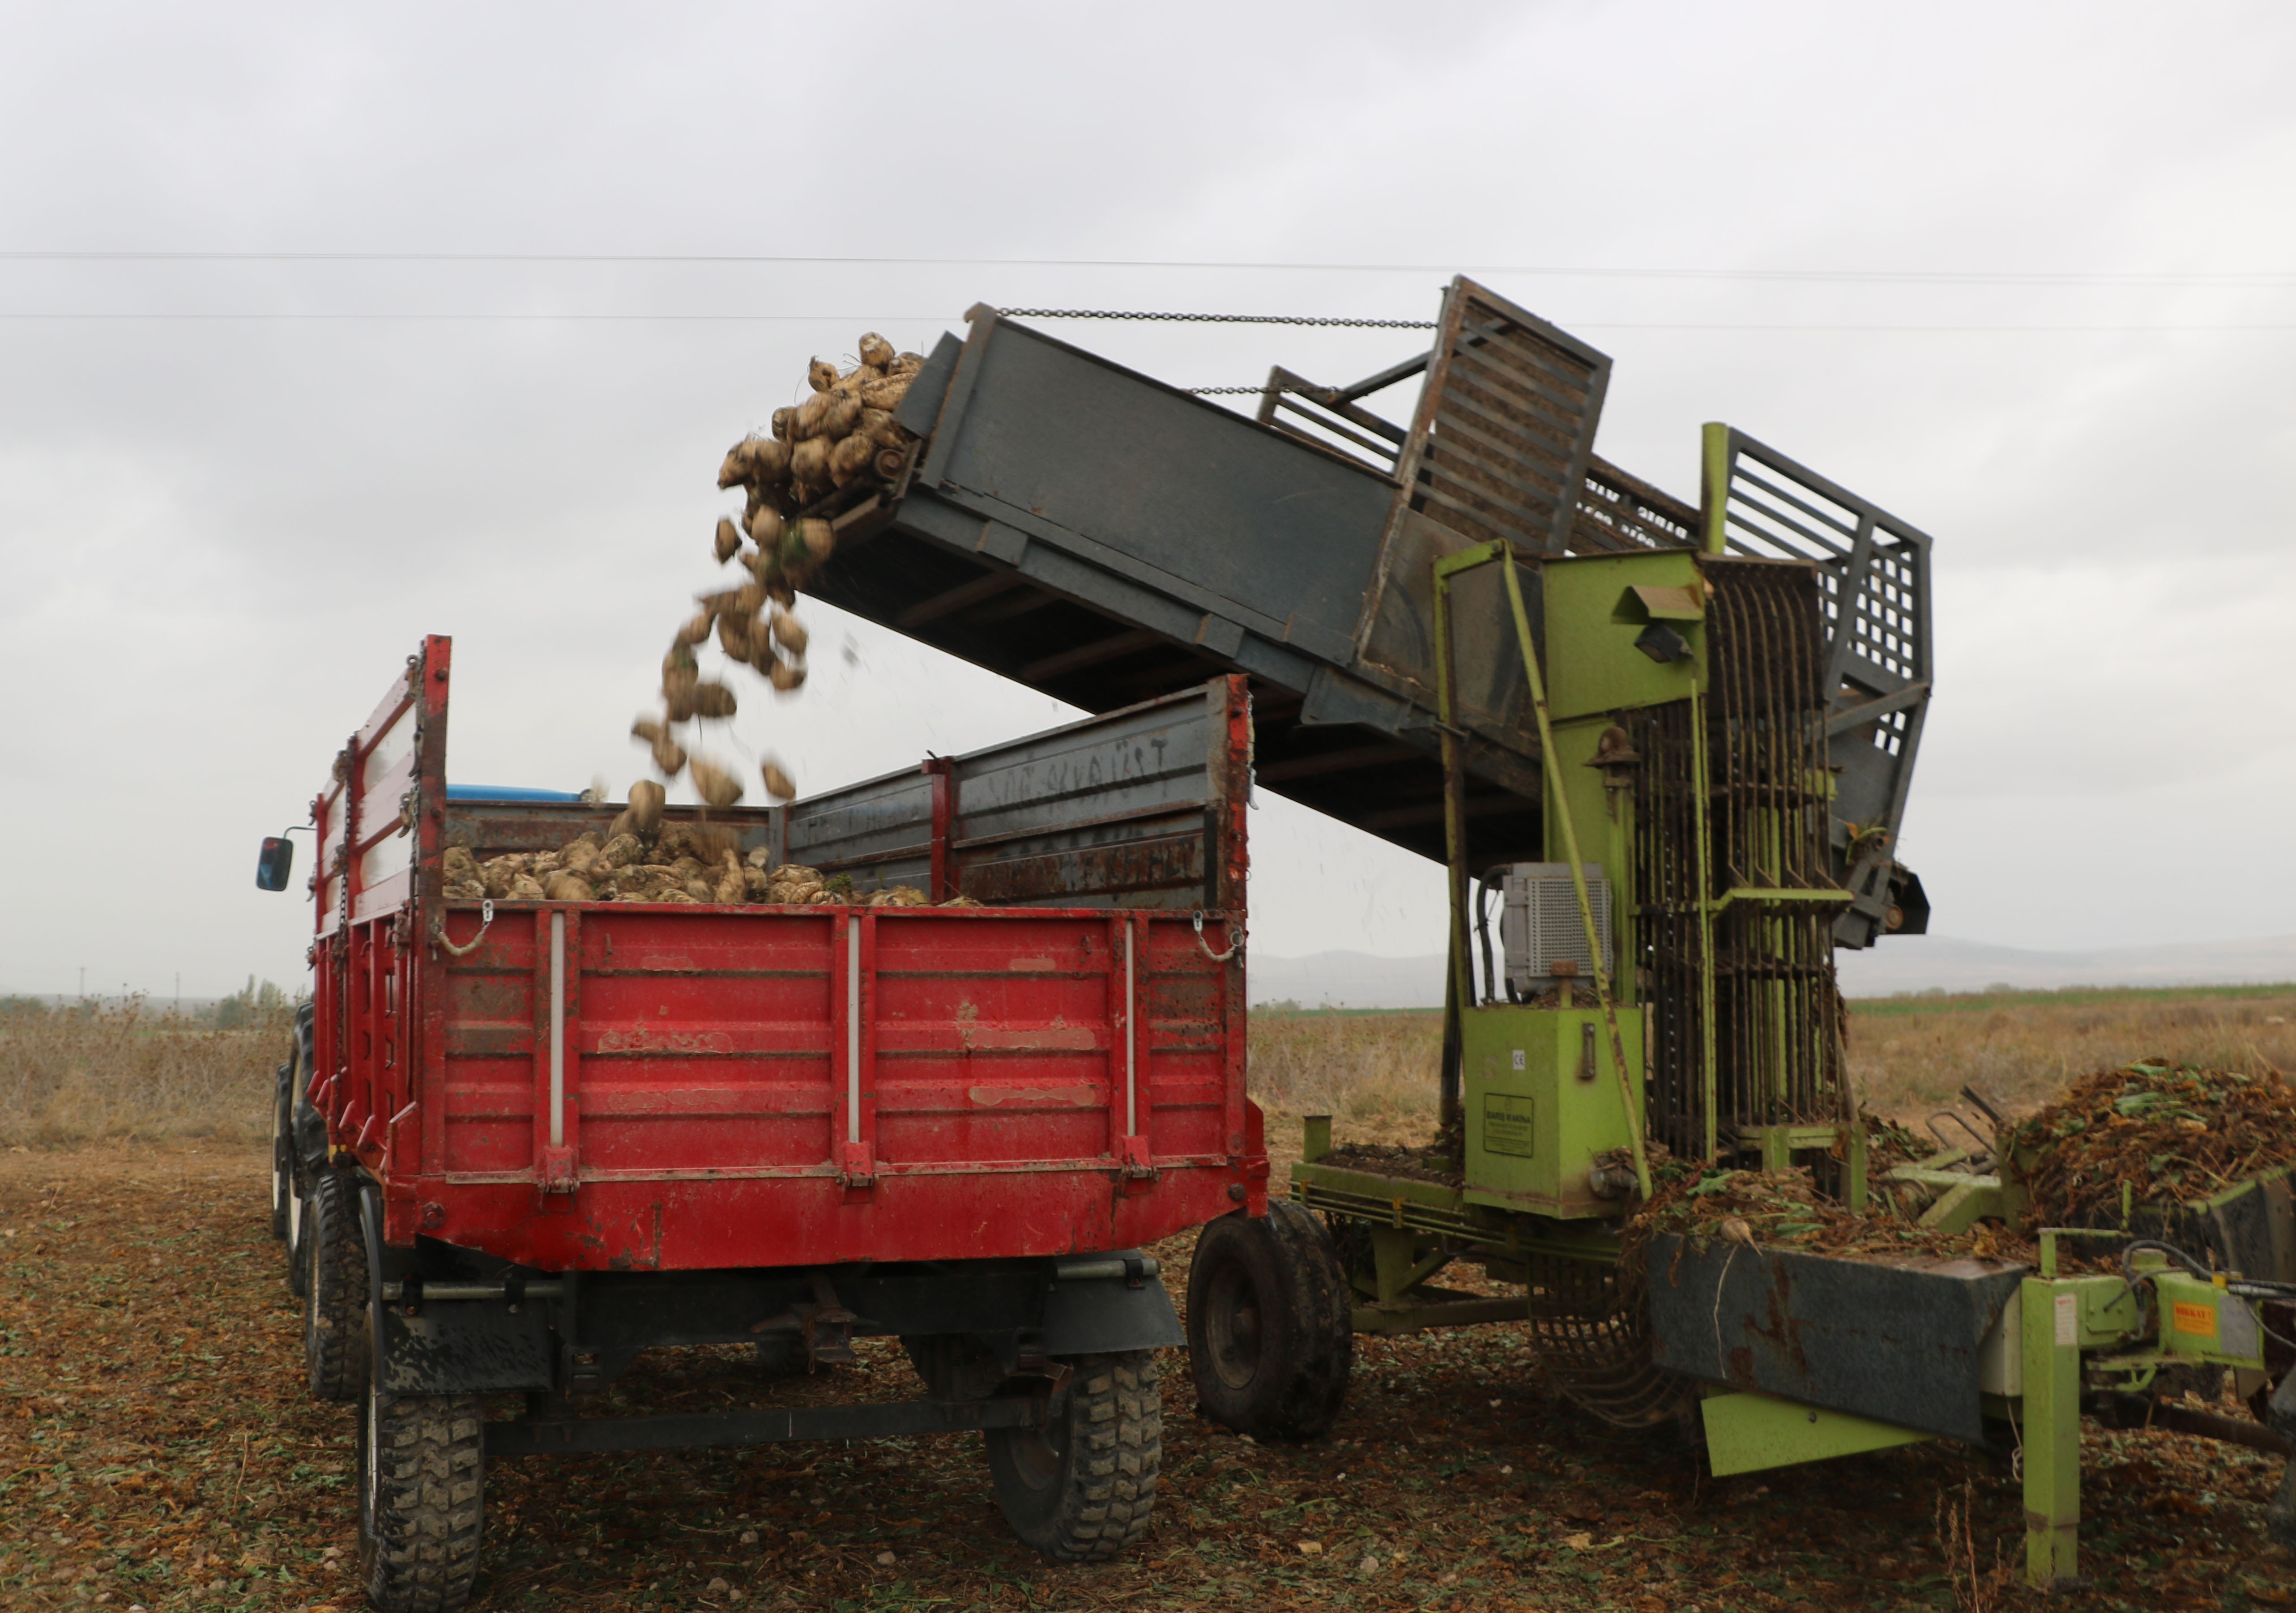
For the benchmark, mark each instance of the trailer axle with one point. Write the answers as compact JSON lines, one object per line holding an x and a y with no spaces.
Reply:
{"x":529,"y":1436}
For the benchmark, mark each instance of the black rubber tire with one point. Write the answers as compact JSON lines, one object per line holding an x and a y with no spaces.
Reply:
{"x":335,"y":1320}
{"x":1081,"y":1490}
{"x":282,"y":1156}
{"x":1270,"y":1342}
{"x":289,"y":1199}
{"x":781,"y":1354}
{"x":422,"y":1499}
{"x":298,"y":1228}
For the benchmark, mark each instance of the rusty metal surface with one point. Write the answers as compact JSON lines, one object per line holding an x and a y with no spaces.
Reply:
{"x":648,"y":1086}
{"x":1894,"y":1341}
{"x":1113,"y":811}
{"x":1105,"y":538}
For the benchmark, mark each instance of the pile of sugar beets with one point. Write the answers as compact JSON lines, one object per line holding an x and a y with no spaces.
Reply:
{"x":642,"y":859}
{"x":844,"y":431}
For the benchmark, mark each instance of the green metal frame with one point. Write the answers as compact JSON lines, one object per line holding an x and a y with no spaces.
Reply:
{"x":1747,"y":1431}
{"x":1455,"y":814}
{"x":1538,"y":1110}
{"x":2068,"y":1332}
{"x":2076,"y":1327}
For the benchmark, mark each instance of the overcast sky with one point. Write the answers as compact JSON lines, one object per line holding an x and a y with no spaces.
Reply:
{"x":2024,"y":275}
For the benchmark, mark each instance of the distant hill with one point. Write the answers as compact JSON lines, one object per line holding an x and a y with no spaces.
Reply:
{"x":1346,"y":980}
{"x":1940,"y":963}
{"x":1906,"y":963}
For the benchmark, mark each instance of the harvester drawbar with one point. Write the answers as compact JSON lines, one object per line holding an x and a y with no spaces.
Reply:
{"x":1672,"y":745}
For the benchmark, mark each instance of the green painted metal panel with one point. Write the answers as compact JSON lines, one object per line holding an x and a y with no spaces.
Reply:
{"x":2199,"y":1321}
{"x":2051,"y":1324}
{"x":1596,"y":606}
{"x":1542,"y":1098}
{"x":1746,"y":1432}
{"x":1372,"y":1185}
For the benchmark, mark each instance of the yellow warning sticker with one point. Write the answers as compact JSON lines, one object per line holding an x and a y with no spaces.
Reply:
{"x":2194,"y":1320}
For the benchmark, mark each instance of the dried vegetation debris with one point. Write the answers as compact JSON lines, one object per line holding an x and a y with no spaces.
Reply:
{"x":157,"y":1448}
{"x":1434,"y":1162}
{"x":1783,"y":1208}
{"x":2153,"y":1135}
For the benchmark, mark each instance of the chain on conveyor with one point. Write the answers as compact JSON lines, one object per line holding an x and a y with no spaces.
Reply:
{"x":1227,"y":319}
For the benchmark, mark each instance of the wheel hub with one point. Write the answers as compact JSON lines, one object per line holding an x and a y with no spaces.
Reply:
{"x":1232,"y":1327}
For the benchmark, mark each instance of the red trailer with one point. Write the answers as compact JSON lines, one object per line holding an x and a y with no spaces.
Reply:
{"x":522,"y":1141}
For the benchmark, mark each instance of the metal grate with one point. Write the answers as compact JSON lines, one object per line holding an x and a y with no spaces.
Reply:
{"x":1776,"y":1007}
{"x":1669,"y":937}
{"x":1539,"y":924}
{"x":1873,"y":577}
{"x":1590,"y":1326}
{"x":1618,"y":512}
{"x":1330,"y":418}
{"x":1499,"y":444}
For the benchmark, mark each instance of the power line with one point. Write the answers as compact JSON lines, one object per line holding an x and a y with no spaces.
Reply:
{"x":2262,"y":278}
{"x":1219,"y":319}
{"x":881,"y":318}
{"x":453,"y":318}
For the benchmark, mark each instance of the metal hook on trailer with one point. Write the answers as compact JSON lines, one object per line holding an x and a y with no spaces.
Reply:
{"x":1234,"y":940}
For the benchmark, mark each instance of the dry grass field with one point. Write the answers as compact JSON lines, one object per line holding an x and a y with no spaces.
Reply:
{"x":1376,"y":1072}
{"x":157,"y":1449}
{"x":68,"y":1076}
{"x":123,"y":1073}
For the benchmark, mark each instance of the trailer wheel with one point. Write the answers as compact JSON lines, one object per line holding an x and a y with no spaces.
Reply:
{"x":1270,"y":1340}
{"x":422,"y":1475}
{"x":1080,"y":1489}
{"x":781,"y":1354}
{"x":335,"y":1347}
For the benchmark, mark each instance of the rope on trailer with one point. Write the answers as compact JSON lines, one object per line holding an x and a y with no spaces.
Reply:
{"x":1221,"y":319}
{"x":438,"y":931}
{"x":1234,"y":940}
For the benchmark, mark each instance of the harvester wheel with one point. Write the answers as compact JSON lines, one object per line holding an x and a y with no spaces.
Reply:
{"x":422,"y":1476}
{"x":335,"y":1349}
{"x":1080,"y":1488}
{"x":1269,"y":1335}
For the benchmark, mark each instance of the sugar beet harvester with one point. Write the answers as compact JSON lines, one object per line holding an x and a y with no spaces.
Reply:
{"x":1673,"y":742}
{"x":520,"y":1143}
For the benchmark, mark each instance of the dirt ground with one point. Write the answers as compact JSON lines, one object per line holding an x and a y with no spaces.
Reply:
{"x":157,"y":1449}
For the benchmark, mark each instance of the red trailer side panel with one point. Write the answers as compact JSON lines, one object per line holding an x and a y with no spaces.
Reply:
{"x":614,"y":1086}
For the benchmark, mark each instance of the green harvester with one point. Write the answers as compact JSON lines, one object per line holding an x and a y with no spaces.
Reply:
{"x":1726,"y":732}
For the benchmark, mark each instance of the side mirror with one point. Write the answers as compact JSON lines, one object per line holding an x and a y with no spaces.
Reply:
{"x":274,"y":863}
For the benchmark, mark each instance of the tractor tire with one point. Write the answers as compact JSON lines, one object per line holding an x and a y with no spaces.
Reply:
{"x":1081,"y":1488}
{"x":298,"y":1227}
{"x":1270,"y":1340}
{"x":282,"y":1158}
{"x":335,"y":1345}
{"x":289,"y":1200}
{"x":421,"y":1477}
